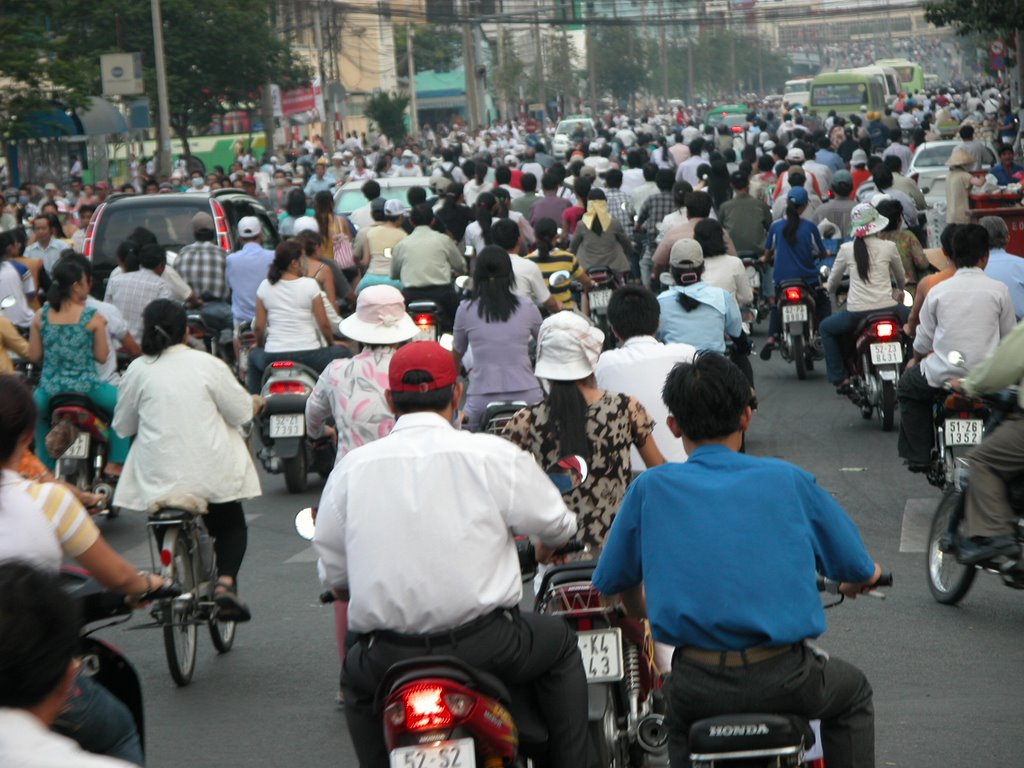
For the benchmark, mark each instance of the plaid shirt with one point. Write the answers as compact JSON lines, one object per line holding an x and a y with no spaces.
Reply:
{"x":621,"y":208}
{"x":202,"y":265}
{"x":655,"y":208}
{"x":131,"y":292}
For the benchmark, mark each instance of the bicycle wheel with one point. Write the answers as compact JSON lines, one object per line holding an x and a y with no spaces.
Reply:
{"x":222,"y":633}
{"x":180,"y":631}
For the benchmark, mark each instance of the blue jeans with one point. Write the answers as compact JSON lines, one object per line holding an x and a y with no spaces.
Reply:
{"x":100,"y":722}
{"x":317,"y":359}
{"x":835,"y":327}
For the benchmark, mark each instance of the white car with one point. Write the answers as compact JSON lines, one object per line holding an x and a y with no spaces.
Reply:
{"x":562,"y":141}
{"x":348,"y":197}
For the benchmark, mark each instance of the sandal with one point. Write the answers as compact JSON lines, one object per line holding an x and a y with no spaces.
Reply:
{"x":229,"y":607}
{"x":766,"y":350}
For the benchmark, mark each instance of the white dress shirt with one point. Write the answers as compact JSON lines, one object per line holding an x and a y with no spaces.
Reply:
{"x":969,"y":314}
{"x":419,"y":525}
{"x":117,"y":329}
{"x":638,"y":368}
{"x":26,"y":743}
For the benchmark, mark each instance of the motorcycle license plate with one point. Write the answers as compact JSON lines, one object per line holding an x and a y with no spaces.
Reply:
{"x":599,"y":299}
{"x":602,"y":654}
{"x":426,"y":333}
{"x":963,"y":431}
{"x":288,"y":425}
{"x":887,"y":353}
{"x":794,"y":313}
{"x":459,"y":753}
{"x":753,"y":277}
{"x":78,"y":449}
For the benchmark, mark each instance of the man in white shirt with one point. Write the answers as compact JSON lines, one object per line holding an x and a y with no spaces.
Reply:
{"x":968,"y":313}
{"x":131,"y":292}
{"x":46,"y":247}
{"x":639,"y":367}
{"x":450,"y":583}
{"x":38,"y":670}
{"x":529,"y":279}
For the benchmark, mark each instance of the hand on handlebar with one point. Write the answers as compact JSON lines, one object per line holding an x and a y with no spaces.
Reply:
{"x":956,"y":384}
{"x":852,"y":590}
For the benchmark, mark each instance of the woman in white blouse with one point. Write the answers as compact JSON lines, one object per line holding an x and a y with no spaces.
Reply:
{"x":183,"y":408}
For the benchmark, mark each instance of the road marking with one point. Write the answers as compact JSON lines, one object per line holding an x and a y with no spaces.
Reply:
{"x":917,"y":520}
{"x":308,"y":555}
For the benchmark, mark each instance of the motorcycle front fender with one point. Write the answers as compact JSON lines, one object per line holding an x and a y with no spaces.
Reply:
{"x":889,"y":373}
{"x":287,"y":447}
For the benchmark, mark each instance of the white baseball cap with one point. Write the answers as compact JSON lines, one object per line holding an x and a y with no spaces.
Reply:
{"x":249,"y":226}
{"x":305,"y":224}
{"x":393,"y":208}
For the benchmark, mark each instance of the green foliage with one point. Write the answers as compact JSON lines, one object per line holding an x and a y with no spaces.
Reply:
{"x":558,"y":52}
{"x":969,"y":16}
{"x":620,"y":62}
{"x":388,"y":112}
{"x":435,"y":47}
{"x":505,"y":79}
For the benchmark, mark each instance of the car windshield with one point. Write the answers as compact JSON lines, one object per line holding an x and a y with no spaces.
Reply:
{"x":906,"y":74}
{"x":839,"y":94}
{"x":172,"y":226}
{"x":933,"y":157}
{"x":351,"y":199}
{"x":568,"y":128}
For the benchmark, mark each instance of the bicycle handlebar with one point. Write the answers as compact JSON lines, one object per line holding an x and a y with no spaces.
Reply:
{"x":832,"y":587}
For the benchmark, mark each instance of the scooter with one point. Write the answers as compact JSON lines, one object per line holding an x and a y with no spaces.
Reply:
{"x":597,"y":301}
{"x":217,"y":343}
{"x":799,"y":342}
{"x":761,"y":739}
{"x":755,"y":270}
{"x":282,"y":426}
{"x":81,"y":464}
{"x":498,"y":414}
{"x":875,"y":361}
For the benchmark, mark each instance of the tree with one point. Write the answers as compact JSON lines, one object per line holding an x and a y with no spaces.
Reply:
{"x":388,"y":112}
{"x":219,"y":53}
{"x":435,"y":47}
{"x":508,"y":76}
{"x":620,"y":62}
{"x":982,"y":17}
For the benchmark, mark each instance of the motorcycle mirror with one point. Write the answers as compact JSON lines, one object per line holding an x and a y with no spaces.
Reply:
{"x":908,"y":300}
{"x":447,"y":341}
{"x":462,"y":281}
{"x":559,"y":278}
{"x":9,"y":301}
{"x":305,"y":523}
{"x":824,"y":270}
{"x":666,"y":279}
{"x":569,"y":473}
{"x":957,"y":359}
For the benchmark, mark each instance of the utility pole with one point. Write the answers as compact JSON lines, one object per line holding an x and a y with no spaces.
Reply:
{"x":267,"y":100}
{"x":469,"y":63}
{"x":592,"y":71}
{"x":328,"y":132}
{"x":163,"y":153}
{"x":539,"y":56}
{"x":664,"y":54}
{"x":414,"y":116}
{"x":499,"y":33}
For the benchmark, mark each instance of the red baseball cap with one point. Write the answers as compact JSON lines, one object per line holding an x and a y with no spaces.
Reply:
{"x":427,"y":356}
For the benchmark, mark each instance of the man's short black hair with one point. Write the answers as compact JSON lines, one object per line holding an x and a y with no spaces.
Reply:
{"x":650,"y":172}
{"x":505,"y":234}
{"x":38,"y":634}
{"x":415,"y":196}
{"x":549,"y":182}
{"x":151,"y":256}
{"x":664,"y":179}
{"x":613,"y":179}
{"x":370,"y":190}
{"x":894,"y":163}
{"x":633,"y":311}
{"x":698,"y":205}
{"x":970,"y":245}
{"x":421,"y":215}
{"x":528,"y":182}
{"x":411,"y":402}
{"x":967,"y":132}
{"x":707,"y":397}
{"x":502,"y":174}
{"x":882,"y":176}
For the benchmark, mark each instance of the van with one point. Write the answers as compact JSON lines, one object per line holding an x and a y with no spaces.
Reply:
{"x":911,"y":74}
{"x":846,"y":93}
{"x":797,"y":92}
{"x":890,"y":80}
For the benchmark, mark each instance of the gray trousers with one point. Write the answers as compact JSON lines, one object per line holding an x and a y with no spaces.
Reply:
{"x":993,"y":463}
{"x":798,"y":683}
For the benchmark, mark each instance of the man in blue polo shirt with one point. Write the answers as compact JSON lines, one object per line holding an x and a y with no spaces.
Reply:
{"x":246,"y":268}
{"x":729,"y":573}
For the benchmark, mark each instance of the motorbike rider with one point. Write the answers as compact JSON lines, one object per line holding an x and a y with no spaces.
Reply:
{"x":451,"y":583}
{"x":38,"y":670}
{"x":246,"y":268}
{"x":745,"y":217}
{"x":997,"y":460}
{"x":968,"y":313}
{"x":183,"y":408}
{"x":698,"y":208}
{"x":41,"y":523}
{"x":734,"y":592}
{"x":529,"y":280}
{"x":600,"y":240}
{"x":793,"y":245}
{"x":550,"y":258}
{"x":374,"y":245}
{"x":873,"y":265}
{"x":202,"y":265}
{"x":291,"y":321}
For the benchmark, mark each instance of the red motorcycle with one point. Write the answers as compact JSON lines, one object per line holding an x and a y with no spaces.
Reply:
{"x":875,"y":361}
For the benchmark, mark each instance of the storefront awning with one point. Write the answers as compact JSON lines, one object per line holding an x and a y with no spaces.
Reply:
{"x":101,"y":118}
{"x":46,"y":124}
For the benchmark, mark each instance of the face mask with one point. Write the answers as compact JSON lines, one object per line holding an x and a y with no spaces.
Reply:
{"x":197,"y":183}
{"x":23,"y":199}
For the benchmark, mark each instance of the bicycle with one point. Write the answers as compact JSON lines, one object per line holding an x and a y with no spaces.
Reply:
{"x":182,"y":546}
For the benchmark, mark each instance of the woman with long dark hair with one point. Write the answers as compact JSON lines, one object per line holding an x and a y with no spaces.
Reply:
{"x":291,"y":322}
{"x":498,"y":325}
{"x":478,"y":231}
{"x":184,"y":407}
{"x":873,"y":265}
{"x":576,"y":417}
{"x":336,"y":233}
{"x":600,"y":240}
{"x":454,"y":215}
{"x":69,"y":339}
{"x":794,"y":244}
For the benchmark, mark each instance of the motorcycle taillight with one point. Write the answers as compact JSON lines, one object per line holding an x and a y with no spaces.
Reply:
{"x":957,"y":402}
{"x":885,"y":329}
{"x":794,"y":294}
{"x":424,"y":320}
{"x":287,"y":388}
{"x":426,"y":708}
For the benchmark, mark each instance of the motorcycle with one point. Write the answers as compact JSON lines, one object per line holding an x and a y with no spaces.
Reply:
{"x":799,"y":342}
{"x":755,"y":270}
{"x":439,"y":711}
{"x":81,"y":464}
{"x":244,"y":341}
{"x":217,"y":343}
{"x":282,"y":426}
{"x":875,"y":362}
{"x":761,"y":739}
{"x":498,"y":414}
{"x":597,"y":301}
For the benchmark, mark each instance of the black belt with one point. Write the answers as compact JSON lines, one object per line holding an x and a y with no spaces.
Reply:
{"x":448,"y":636}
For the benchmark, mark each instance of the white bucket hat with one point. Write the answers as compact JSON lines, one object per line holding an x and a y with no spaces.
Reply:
{"x":567,"y":347}
{"x":380,"y":317}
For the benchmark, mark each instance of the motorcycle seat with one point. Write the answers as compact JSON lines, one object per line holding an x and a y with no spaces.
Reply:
{"x":874,"y":317}
{"x":423,"y":305}
{"x":76,"y":400}
{"x":296,"y":368}
{"x":448,"y":667}
{"x":740,"y":736}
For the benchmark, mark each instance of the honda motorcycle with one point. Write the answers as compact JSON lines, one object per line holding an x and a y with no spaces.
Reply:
{"x":799,"y":342}
{"x":82,"y":462}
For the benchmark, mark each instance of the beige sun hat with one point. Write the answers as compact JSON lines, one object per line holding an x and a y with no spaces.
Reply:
{"x":961,"y":156}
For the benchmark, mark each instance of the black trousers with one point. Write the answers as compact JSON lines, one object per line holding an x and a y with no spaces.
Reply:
{"x":445,"y":297}
{"x":916,"y":397}
{"x":226,"y":524}
{"x":797,"y":683}
{"x":520,"y":649}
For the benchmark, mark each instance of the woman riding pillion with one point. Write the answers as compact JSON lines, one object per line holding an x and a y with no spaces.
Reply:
{"x":183,"y":408}
{"x":874,"y":265}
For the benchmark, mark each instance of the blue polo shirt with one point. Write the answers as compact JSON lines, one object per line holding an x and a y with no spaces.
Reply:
{"x":795,"y":262}
{"x":727,"y":546}
{"x":245,"y":270}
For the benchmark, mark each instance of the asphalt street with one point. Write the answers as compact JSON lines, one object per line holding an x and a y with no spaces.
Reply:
{"x":947,"y":681}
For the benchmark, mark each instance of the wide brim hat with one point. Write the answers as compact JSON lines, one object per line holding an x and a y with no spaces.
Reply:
{"x":865,"y":220}
{"x":937,"y":258}
{"x":960,"y":156}
{"x":380,"y":317}
{"x":567,"y":347}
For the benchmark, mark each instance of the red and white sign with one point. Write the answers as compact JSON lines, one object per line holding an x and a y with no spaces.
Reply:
{"x":296,"y":100}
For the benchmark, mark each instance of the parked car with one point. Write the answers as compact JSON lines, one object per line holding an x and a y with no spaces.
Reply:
{"x":349,"y":197}
{"x":169,"y":217}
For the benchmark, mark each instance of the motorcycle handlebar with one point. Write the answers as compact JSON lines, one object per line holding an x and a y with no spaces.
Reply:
{"x":832,"y":587}
{"x":163,"y":592}
{"x":327,"y":597}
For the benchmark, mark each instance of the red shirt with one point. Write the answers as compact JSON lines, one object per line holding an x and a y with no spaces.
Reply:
{"x":860,"y":175}
{"x":571,"y":216}
{"x":517,"y":179}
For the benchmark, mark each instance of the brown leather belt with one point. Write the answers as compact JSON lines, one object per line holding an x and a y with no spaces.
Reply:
{"x":734,"y":658}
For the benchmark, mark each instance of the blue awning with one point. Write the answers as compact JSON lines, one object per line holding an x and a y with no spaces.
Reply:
{"x":49,"y":123}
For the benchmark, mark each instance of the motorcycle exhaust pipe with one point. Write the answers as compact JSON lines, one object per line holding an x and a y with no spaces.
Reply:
{"x":652,"y":735}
